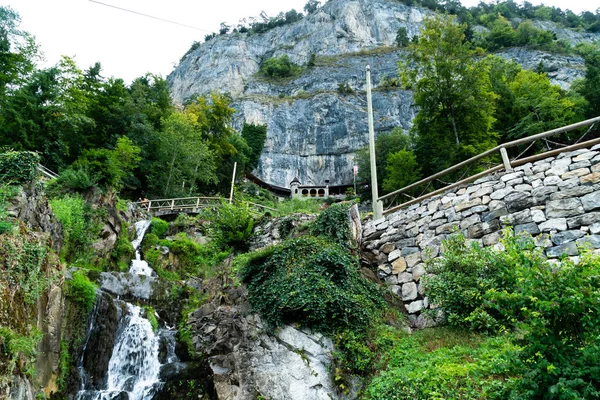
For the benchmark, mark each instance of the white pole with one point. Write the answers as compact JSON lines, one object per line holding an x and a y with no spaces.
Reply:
{"x":377,"y":205}
{"x":232,"y":182}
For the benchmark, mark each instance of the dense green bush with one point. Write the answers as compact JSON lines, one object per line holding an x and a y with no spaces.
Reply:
{"x":159,"y":227}
{"x":79,"y":226}
{"x":334,"y":223}
{"x":554,"y":311}
{"x":231,"y":225}
{"x":18,"y":166}
{"x":312,"y":282}
{"x":279,"y":67}
{"x":71,"y":181}
{"x":81,"y":290}
{"x":19,"y":350}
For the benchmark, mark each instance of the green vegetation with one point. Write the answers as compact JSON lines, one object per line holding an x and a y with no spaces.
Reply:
{"x":159,"y":227}
{"x":81,"y":290}
{"x":454,"y":93}
{"x":151,"y":317}
{"x":19,"y":351}
{"x":99,"y":132}
{"x":548,"y":315}
{"x":255,"y":136}
{"x":311,"y":282}
{"x":402,"y":37}
{"x":80,"y":227}
{"x":18,"y":166}
{"x":231,"y":225}
{"x":24,"y":262}
{"x":279,"y":67}
{"x":444,"y":363}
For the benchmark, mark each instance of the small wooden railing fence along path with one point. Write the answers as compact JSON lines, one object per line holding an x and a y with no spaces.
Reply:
{"x":507,"y":164}
{"x":191,"y":205}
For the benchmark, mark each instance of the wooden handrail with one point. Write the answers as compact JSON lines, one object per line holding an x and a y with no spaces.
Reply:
{"x":508,"y":145}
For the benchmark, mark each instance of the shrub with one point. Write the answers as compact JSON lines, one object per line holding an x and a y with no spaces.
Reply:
{"x":554,"y":309}
{"x":82,"y":291}
{"x":344,"y":88}
{"x":18,"y":166}
{"x":21,"y":350}
{"x":159,"y":227}
{"x":334,"y":223}
{"x":22,"y":265}
{"x":71,"y":181}
{"x":231,"y":225}
{"x":78,"y":223}
{"x":279,"y":67}
{"x":311,"y":282}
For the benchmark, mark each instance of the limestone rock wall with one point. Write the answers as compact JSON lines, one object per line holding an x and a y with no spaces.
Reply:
{"x":556,"y":200}
{"x":314,"y":131}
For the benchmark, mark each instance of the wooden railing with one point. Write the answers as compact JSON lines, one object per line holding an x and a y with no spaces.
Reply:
{"x":46,"y":173}
{"x":506,"y":165}
{"x":179,"y":204}
{"x":192,"y":204}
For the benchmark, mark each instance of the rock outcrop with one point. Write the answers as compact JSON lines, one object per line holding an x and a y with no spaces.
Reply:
{"x":246,"y":361}
{"x":313,"y":130}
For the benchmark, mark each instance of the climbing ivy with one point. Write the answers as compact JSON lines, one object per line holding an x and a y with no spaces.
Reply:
{"x":312,"y":282}
{"x":18,"y":166}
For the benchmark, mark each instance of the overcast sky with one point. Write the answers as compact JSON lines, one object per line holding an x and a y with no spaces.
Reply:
{"x":129,"y":45}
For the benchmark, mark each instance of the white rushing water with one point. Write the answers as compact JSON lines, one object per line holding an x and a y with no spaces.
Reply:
{"x":139,"y":266}
{"x":133,"y":369}
{"x":134,"y":366}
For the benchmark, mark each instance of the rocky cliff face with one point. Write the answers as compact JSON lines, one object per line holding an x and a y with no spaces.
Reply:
{"x":314,"y":131}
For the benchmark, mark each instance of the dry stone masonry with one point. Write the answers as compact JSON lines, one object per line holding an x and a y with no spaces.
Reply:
{"x":556,"y":200}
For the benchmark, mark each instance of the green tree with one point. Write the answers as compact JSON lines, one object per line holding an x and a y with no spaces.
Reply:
{"x":255,"y":136}
{"x":589,"y":88}
{"x":311,"y":6}
{"x":453,"y":92}
{"x":183,"y":158}
{"x":402,"y":169}
{"x":385,"y":144}
{"x":540,"y":106}
{"x":402,"y":37}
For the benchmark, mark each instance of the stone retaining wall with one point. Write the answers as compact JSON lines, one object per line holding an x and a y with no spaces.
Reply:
{"x":556,"y":200}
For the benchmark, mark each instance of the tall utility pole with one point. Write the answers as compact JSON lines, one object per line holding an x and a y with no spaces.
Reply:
{"x":232,"y":182}
{"x":377,"y":205}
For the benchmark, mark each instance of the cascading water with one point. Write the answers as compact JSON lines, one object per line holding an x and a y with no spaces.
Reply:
{"x":139,"y":266}
{"x":134,"y":366}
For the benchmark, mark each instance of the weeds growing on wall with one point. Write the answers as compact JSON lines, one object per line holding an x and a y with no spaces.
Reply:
{"x":81,"y":290}
{"x":79,"y":225}
{"x":19,"y":351}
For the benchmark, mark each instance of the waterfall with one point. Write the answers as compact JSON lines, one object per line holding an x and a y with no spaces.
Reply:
{"x":139,"y":266}
{"x":134,"y":366}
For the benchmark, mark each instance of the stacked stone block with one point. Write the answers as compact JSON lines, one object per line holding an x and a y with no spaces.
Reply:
{"x":556,"y":200}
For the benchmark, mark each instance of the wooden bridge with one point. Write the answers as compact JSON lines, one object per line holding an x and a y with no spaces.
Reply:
{"x":191,"y":205}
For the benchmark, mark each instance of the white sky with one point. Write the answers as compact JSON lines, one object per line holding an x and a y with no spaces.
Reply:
{"x":129,"y":45}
